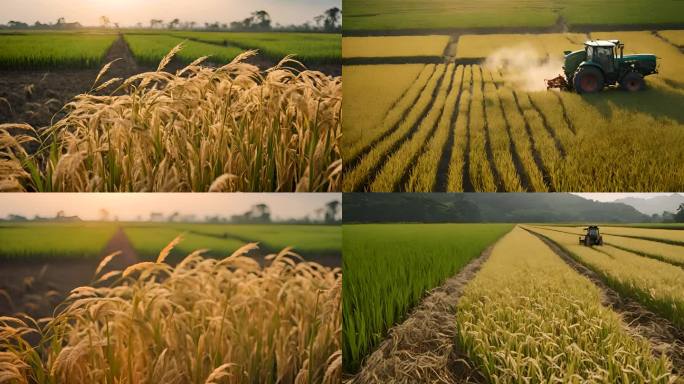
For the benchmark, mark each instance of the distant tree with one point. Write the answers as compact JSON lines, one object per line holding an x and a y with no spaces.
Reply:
{"x":12,"y":217}
{"x":104,"y":214}
{"x":331,"y":211}
{"x":61,"y":21}
{"x":139,"y":25}
{"x":16,"y":24}
{"x":261,"y":20}
{"x":173,"y":23}
{"x":116,"y":25}
{"x":332,"y":18}
{"x":319,"y":19}
{"x":173,"y":216}
{"x":105,"y":22}
{"x":192,"y":24}
{"x":60,"y":214}
{"x":679,"y":216}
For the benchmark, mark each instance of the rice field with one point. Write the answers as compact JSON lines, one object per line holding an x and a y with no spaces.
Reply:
{"x":150,"y":49}
{"x":394,"y":46}
{"x":388,"y":268}
{"x":476,"y":127}
{"x":202,"y":321}
{"x":674,"y":36}
{"x":527,"y":315}
{"x":47,"y":50}
{"x":231,"y":128}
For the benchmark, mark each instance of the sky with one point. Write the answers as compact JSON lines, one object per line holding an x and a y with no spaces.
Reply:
{"x":128,"y":206}
{"x":608,"y":197}
{"x":129,"y":12}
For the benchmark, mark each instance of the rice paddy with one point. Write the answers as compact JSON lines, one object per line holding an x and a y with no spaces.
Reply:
{"x":394,"y":46}
{"x":54,"y":50}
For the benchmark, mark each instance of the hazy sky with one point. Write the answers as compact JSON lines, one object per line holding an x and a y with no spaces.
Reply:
{"x":127,"y":206}
{"x":129,"y":12}
{"x":614,"y":196}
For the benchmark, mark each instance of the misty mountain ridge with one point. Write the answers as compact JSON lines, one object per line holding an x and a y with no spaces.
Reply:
{"x":656,"y":204}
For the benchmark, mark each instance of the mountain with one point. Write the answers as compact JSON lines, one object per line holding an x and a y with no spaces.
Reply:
{"x":656,"y":204}
{"x":483,"y":207}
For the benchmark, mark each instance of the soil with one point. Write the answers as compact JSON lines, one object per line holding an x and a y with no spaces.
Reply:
{"x":661,"y":333}
{"x":422,"y":348}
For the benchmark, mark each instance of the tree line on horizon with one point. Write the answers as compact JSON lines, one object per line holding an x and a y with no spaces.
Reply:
{"x":260,"y":21}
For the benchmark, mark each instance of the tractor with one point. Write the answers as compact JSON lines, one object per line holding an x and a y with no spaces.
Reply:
{"x":592,"y":237}
{"x":603,"y":63}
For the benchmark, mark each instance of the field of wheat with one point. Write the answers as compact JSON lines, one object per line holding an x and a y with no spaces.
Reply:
{"x":394,"y":46}
{"x":481,"y":127}
{"x":203,"y":320}
{"x":231,"y":128}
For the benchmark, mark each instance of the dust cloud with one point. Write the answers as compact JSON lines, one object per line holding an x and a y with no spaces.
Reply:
{"x":524,"y":67}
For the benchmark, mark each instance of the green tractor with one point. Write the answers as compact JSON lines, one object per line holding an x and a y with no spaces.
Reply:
{"x":592,"y":236}
{"x":603,"y":63}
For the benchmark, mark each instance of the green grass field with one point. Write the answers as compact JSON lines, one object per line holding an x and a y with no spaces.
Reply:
{"x":49,"y":50}
{"x":150,"y":49}
{"x":52,"y":240}
{"x":445,"y":14}
{"x":388,"y":268}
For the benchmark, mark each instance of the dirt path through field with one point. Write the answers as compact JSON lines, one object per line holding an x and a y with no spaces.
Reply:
{"x":119,"y":242}
{"x":661,"y":333}
{"x":422,"y":349}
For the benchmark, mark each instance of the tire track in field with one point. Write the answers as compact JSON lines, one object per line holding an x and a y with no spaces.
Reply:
{"x":660,"y":332}
{"x":519,"y":167}
{"x":442,"y":179}
{"x":571,"y":126}
{"x":535,"y":151}
{"x":423,"y":349}
{"x":552,"y":133}
{"x":467,"y":183}
{"x":498,"y":182}
{"x":373,"y":173}
{"x":354,"y":161}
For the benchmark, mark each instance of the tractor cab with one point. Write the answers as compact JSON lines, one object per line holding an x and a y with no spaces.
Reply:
{"x":604,"y":53}
{"x":592,"y":236}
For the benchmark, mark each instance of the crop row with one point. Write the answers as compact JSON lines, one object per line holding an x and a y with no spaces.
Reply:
{"x":54,"y":50}
{"x":659,"y":286}
{"x":388,"y":268}
{"x":518,"y":322}
{"x":504,"y":139}
{"x":394,"y":46}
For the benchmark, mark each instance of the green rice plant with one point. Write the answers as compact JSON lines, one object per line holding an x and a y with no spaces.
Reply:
{"x":394,"y":168}
{"x":424,"y":174}
{"x":518,"y":322}
{"x":151,"y":49}
{"x":354,"y":178}
{"x":657,"y":285}
{"x":458,"y":151}
{"x":498,"y":138}
{"x":51,"y":50}
{"x":395,"y":46}
{"x":231,"y":128}
{"x":306,"y":47}
{"x":389,"y":267}
{"x":370,"y":114}
{"x":202,"y":321}
{"x":54,"y":240}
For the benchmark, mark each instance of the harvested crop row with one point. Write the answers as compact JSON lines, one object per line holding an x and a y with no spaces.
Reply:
{"x":388,"y":268}
{"x":370,"y":114}
{"x":459,"y":149}
{"x":424,"y":174}
{"x":519,"y":322}
{"x":549,"y":105}
{"x":355,"y":178}
{"x":394,"y":169}
{"x":657,"y":285}
{"x":203,"y":320}
{"x":480,"y":167}
{"x":667,"y":235}
{"x":219,"y":129}
{"x":498,"y":139}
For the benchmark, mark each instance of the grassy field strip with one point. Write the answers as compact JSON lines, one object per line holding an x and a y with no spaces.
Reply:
{"x":459,"y":150}
{"x":150,"y":49}
{"x":388,"y":268}
{"x":356,"y":177}
{"x":54,"y":50}
{"x":395,"y":167}
{"x":498,"y":138}
{"x":423,"y":175}
{"x":147,"y":242}
{"x":519,"y":322}
{"x":309,"y":238}
{"x":307,"y":47}
{"x":541,"y":46}
{"x":676,"y":37}
{"x":670,"y":58}
{"x":367,"y":116}
{"x":49,"y":240}
{"x":669,"y":253}
{"x":519,"y":133}
{"x":479,"y":166}
{"x":394,"y":46}
{"x":657,"y":285}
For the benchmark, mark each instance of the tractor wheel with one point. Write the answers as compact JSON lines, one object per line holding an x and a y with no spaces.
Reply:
{"x":632,"y":82}
{"x":588,"y":80}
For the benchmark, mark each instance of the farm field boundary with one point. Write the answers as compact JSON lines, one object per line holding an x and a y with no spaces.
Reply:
{"x":423,"y":347}
{"x":659,"y":331}
{"x":412,"y":60}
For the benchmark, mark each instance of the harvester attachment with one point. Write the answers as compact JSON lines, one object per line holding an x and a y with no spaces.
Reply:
{"x":557,"y":82}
